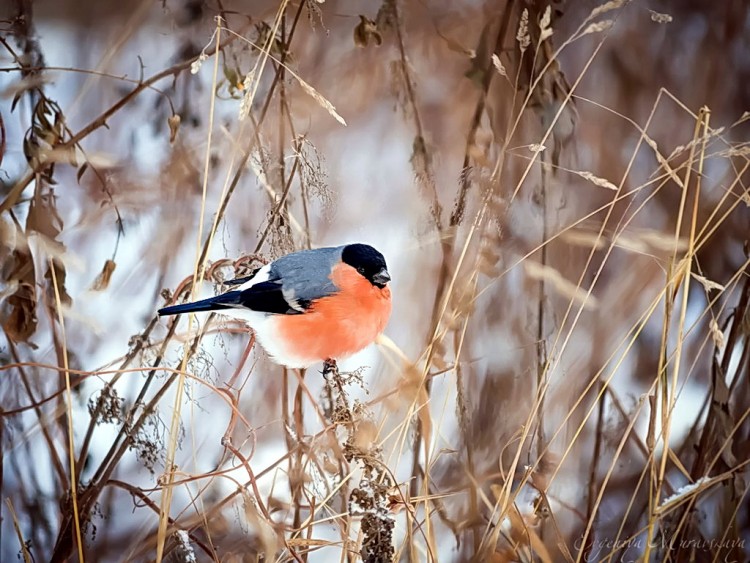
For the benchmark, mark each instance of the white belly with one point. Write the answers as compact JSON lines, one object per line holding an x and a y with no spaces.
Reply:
{"x":267,"y":335}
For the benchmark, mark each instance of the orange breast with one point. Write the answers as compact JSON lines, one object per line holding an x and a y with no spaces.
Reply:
{"x":341,"y":324}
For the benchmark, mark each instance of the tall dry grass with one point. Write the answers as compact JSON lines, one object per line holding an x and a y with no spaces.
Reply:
{"x":560,"y":190}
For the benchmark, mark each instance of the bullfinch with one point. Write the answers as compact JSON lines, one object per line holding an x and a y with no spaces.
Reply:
{"x":309,"y":306}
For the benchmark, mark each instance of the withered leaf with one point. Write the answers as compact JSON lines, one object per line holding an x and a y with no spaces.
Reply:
{"x":60,"y":274}
{"x":20,"y":324}
{"x":174,"y":127}
{"x":43,"y":217}
{"x":366,"y":31}
{"x":102,"y":280}
{"x":21,"y":321}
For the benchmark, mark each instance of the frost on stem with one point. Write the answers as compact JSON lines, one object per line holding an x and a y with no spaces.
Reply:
{"x":183,"y":550}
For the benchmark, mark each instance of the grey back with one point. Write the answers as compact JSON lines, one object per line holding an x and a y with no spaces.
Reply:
{"x":306,"y":275}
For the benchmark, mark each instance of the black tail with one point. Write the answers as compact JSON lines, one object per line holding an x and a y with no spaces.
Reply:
{"x":224,"y":301}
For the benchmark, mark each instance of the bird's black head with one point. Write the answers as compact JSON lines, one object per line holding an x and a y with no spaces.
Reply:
{"x":368,"y":262}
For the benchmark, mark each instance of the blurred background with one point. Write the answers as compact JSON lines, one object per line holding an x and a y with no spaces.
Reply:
{"x":559,"y":189}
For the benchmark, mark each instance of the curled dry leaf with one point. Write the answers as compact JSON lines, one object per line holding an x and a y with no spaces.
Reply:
{"x":20,"y":322}
{"x":43,"y":217}
{"x":174,"y":127}
{"x":396,"y":503}
{"x":102,"y":280}
{"x":366,"y":32}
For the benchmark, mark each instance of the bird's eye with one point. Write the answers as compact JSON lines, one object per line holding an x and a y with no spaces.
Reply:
{"x":361,"y":270}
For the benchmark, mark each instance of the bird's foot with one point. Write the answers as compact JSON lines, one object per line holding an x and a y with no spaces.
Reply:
{"x":330,"y":367}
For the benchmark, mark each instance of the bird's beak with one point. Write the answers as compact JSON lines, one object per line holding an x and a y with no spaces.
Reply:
{"x":382,"y":277}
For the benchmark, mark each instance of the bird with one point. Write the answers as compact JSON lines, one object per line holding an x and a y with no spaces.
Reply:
{"x":324,"y":304}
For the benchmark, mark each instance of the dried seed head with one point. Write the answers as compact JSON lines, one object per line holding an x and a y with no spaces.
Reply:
{"x":606,"y":7}
{"x":499,"y":66}
{"x":660,"y":18}
{"x":545,"y":31}
{"x":598,"y":27}
{"x":522,"y":36}
{"x":596,"y":180}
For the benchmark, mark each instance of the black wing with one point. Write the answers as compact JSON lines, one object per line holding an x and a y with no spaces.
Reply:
{"x":264,"y":297}
{"x":268,"y":297}
{"x":295,"y":282}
